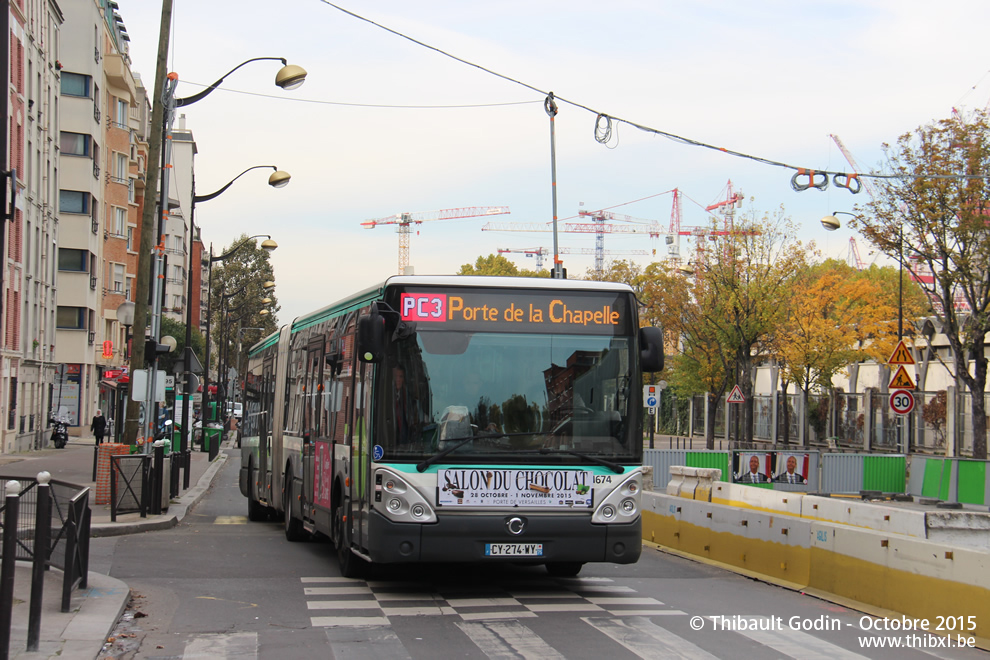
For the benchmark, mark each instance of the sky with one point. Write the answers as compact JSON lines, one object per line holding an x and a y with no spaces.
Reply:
{"x":772,"y":79}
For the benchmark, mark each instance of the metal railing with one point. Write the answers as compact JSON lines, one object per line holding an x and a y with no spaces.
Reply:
{"x":48,"y":523}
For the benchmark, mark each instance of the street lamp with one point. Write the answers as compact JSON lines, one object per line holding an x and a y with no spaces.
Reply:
{"x":278,"y":179}
{"x":289,"y":77}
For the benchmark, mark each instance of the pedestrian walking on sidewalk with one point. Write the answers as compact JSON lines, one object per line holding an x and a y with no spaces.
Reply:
{"x":99,"y":426}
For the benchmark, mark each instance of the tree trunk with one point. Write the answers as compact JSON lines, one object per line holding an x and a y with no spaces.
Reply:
{"x":711,"y":401}
{"x":979,"y":407}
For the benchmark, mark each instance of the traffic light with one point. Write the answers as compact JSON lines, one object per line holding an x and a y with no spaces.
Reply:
{"x":152,"y":349}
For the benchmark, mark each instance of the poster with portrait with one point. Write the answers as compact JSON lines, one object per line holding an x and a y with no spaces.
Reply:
{"x":752,"y":467}
{"x":792,"y":468}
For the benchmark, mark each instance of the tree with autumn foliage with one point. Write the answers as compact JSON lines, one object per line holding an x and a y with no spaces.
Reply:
{"x":836,"y":316}
{"x":742,"y":279}
{"x":933,"y":211}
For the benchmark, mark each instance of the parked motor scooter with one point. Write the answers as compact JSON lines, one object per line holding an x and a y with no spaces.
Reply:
{"x":60,"y":433}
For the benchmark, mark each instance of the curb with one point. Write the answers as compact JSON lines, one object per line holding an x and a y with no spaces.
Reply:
{"x":177,"y":509}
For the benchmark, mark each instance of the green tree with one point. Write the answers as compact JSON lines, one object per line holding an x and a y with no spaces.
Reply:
{"x":238,"y":296}
{"x":497,"y":265}
{"x":932,"y":214}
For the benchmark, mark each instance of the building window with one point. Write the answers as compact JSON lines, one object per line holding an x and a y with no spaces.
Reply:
{"x":119,"y":221}
{"x":120,"y":168}
{"x":73,"y":201}
{"x":129,"y":288}
{"x":130,"y":239}
{"x":74,"y":260}
{"x":121,"y":113}
{"x":71,"y":318}
{"x":130,"y":191}
{"x":75,"y":144}
{"x":75,"y":84}
{"x":118,"y":278}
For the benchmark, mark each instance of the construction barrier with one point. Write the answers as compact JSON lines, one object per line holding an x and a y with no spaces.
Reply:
{"x":105,"y":451}
{"x":950,"y":479}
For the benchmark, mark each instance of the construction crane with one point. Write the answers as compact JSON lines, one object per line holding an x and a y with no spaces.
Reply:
{"x":867,"y":183}
{"x":405,"y":220}
{"x":597,"y":227}
{"x":854,"y":259}
{"x":542,"y":252}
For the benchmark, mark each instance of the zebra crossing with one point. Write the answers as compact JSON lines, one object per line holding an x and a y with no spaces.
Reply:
{"x":498,"y":639}
{"x":344,"y":602}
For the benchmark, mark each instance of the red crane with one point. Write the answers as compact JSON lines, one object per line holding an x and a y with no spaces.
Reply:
{"x":542,"y":252}
{"x":405,"y":220}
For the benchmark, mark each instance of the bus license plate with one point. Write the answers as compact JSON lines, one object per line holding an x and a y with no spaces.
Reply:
{"x":513,"y":549}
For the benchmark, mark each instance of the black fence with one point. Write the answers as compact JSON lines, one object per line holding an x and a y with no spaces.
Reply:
{"x":47,"y":523}
{"x":144,"y":483}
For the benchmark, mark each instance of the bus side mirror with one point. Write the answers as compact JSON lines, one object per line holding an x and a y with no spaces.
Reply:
{"x":651,"y":349}
{"x":371,"y":338}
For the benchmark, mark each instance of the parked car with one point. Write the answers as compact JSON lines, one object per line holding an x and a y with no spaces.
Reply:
{"x":237,"y":410}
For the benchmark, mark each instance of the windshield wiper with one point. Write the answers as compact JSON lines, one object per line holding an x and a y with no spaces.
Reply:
{"x":614,"y":467}
{"x":463,"y":441}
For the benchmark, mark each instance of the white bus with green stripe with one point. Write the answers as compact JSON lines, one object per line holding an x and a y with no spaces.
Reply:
{"x":464,"y":419}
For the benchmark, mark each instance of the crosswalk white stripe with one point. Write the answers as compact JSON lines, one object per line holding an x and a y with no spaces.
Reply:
{"x":481,"y":602}
{"x":232,"y":645}
{"x":648,"y":640}
{"x":563,"y":607}
{"x":413,"y":611}
{"x":407,"y":595}
{"x":508,"y":640}
{"x":336,"y":591}
{"x":604,"y":600}
{"x":342,"y":604}
{"x":799,"y":644}
{"x":481,"y":616}
{"x":605,"y":589}
{"x":647,"y":612}
{"x":544,"y":594}
{"x":325,"y":580}
{"x":344,"y":621}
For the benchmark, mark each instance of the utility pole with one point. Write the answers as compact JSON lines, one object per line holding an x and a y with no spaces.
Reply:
{"x":148,"y":228}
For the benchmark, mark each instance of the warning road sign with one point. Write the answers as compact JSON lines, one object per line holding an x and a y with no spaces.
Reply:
{"x":901,"y":380}
{"x":736,"y":396}
{"x":901,"y":355}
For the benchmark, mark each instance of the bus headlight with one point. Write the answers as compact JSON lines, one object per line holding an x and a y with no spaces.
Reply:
{"x":399,"y":501}
{"x":622,"y":504}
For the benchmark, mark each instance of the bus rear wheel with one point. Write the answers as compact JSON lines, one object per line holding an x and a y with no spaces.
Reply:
{"x":564,"y":568}
{"x":293,"y":526}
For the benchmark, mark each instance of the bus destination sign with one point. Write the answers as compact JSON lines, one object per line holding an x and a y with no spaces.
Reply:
{"x":522,"y":311}
{"x":530,"y":488}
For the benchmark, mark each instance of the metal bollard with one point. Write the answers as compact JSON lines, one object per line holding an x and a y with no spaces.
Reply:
{"x":12,"y":502}
{"x":187,"y":463}
{"x":157,"y":472}
{"x":42,"y":548}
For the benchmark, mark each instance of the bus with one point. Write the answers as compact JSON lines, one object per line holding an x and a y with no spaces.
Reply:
{"x":455,"y":419}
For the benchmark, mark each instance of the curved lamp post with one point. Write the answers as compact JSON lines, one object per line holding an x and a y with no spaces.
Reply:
{"x":289,"y":77}
{"x":278,"y":179}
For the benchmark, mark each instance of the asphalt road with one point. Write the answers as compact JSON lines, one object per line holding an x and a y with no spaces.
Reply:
{"x":217,"y":586}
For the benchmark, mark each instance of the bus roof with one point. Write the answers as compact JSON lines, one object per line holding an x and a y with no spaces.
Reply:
{"x":376,"y":292}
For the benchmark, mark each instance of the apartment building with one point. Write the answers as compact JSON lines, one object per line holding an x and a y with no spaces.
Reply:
{"x":102,"y":137}
{"x":30,"y":237}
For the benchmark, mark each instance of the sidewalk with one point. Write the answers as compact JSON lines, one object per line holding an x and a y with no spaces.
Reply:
{"x":81,"y":632}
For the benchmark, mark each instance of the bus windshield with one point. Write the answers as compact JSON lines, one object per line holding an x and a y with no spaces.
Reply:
{"x":507,"y":397}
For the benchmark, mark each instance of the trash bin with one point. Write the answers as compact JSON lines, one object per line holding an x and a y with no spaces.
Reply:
{"x":211,"y":435}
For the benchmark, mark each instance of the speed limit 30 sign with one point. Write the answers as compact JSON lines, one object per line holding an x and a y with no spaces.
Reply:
{"x":902,"y":401}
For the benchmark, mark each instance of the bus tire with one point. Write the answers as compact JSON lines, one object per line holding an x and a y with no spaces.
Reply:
{"x":564,"y":568}
{"x":256,"y":510}
{"x":351,"y":566}
{"x":294,"y":531}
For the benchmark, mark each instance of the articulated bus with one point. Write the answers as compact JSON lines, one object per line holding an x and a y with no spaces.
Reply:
{"x":455,"y":419}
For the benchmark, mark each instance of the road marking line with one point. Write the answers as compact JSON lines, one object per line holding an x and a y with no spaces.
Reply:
{"x":798,"y":644}
{"x":481,"y":602}
{"x":563,"y":607}
{"x":648,"y":640}
{"x":343,"y":605}
{"x":336,"y":591}
{"x":347,"y":621}
{"x":623,"y":601}
{"x":412,"y":611}
{"x":230,"y":520}
{"x":481,"y":616}
{"x":498,"y":639}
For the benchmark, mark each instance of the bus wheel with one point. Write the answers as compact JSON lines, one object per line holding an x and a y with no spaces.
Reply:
{"x":351,"y":566}
{"x":564,"y":568}
{"x":293,"y":526}
{"x":256,"y":510}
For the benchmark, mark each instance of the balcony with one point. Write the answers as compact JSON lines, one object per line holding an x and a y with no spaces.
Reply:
{"x":92,"y":338}
{"x":92,"y":282}
{"x":119,"y":73}
{"x":96,"y":112}
{"x":96,"y":170}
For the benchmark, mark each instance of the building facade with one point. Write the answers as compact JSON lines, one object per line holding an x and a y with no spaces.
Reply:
{"x":29,"y":273}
